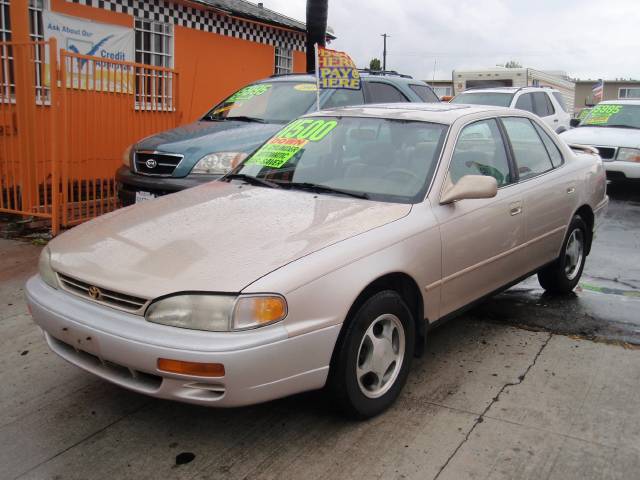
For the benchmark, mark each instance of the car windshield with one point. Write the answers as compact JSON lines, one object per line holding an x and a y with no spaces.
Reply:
{"x":380,"y":159}
{"x":484,"y":98}
{"x":613,"y":115}
{"x":276,"y":102}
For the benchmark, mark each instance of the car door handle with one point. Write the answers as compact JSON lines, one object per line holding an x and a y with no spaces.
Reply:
{"x":515,"y":209}
{"x":571,"y":190}
{"x":556,"y":120}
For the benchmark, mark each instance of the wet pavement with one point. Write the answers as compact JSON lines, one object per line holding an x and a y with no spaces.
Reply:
{"x":606,"y":305}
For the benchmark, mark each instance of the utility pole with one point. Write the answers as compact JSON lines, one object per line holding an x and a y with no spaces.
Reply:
{"x":384,"y":51}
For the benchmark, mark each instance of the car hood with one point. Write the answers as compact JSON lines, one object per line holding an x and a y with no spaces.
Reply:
{"x":218,"y":237}
{"x":603,"y":136}
{"x":200,"y":138}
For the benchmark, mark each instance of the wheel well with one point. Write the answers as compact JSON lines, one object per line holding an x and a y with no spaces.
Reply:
{"x":408,"y":289}
{"x":586,"y":214}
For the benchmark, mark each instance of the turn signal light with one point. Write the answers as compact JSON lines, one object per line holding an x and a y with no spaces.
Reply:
{"x":191,"y":368}
{"x":268,"y":309}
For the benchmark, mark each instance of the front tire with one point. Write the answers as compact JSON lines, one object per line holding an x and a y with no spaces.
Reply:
{"x":373,"y":358}
{"x":563,"y":275}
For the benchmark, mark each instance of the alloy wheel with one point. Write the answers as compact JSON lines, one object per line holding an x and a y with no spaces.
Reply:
{"x":380,"y":355}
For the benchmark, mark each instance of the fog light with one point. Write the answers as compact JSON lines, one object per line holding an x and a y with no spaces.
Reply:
{"x":191,"y":368}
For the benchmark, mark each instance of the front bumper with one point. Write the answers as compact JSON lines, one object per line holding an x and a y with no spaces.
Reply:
{"x":260,"y":365}
{"x":128,"y":183}
{"x":622,"y":170}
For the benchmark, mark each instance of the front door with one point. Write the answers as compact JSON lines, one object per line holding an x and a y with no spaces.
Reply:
{"x":481,"y":238}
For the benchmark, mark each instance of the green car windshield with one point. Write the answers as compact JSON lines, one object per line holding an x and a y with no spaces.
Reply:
{"x":375,"y":158}
{"x":484,"y":98}
{"x":613,"y":115}
{"x":276,"y":102}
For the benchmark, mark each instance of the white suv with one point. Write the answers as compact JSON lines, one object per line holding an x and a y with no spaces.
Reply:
{"x":547,"y":103}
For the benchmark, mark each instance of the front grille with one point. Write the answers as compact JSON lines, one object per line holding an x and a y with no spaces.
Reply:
{"x":118,"y":300}
{"x":156,"y":164}
{"x":607,"y":153}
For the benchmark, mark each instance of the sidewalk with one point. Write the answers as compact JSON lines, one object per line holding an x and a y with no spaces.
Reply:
{"x":486,"y":401}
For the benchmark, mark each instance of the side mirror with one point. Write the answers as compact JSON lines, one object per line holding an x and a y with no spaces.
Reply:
{"x":469,"y":187}
{"x":574,"y":122}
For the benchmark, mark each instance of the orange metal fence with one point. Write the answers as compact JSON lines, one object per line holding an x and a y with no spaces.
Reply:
{"x":65,"y":124}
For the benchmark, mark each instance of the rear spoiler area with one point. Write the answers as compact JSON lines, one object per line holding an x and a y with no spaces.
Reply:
{"x":583,"y":149}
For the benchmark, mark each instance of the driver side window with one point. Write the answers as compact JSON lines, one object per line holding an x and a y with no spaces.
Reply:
{"x":481,"y":151}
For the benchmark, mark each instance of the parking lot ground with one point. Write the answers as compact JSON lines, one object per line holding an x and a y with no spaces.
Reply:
{"x":488,"y":400}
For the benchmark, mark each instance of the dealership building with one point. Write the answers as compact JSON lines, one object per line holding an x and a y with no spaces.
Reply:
{"x":216,"y":46}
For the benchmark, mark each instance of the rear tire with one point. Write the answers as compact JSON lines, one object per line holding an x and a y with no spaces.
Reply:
{"x":373,"y":358}
{"x":563,"y":275}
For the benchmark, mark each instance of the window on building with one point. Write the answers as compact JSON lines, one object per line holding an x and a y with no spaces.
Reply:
{"x":628,"y":93}
{"x":154,"y":47}
{"x":7,"y":80}
{"x":283,"y":60}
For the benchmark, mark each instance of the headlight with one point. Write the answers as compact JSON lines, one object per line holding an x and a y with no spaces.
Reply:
{"x":628,"y":155}
{"x":126,"y":156}
{"x":219,"y":163}
{"x":217,"y":313}
{"x":44,"y":267}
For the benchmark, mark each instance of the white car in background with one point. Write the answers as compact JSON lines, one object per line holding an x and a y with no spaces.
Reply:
{"x":546,"y":103}
{"x":613,"y":127}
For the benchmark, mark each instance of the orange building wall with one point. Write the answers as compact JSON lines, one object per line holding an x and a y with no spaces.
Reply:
{"x":213,"y":66}
{"x":210,"y":66}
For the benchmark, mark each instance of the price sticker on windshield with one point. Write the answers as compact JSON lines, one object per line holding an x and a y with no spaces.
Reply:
{"x":249,"y":92}
{"x":601,"y":114}
{"x":290,"y":141}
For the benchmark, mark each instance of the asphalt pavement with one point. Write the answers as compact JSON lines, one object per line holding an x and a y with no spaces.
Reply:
{"x":525,"y":386}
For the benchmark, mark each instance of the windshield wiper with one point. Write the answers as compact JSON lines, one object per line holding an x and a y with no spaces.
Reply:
{"x":244,"y":118}
{"x":250,"y":179}
{"x":315,"y":187}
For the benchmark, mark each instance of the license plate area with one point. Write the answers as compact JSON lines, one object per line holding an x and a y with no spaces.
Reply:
{"x":80,"y":341}
{"x":144,"y":196}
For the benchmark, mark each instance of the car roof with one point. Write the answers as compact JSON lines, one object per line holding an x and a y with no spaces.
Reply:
{"x":306,"y":77}
{"x":620,"y":102}
{"x":445,"y":113}
{"x":508,"y":89}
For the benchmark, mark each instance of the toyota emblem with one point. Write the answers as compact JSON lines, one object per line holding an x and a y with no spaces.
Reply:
{"x":95,"y":293}
{"x":151,"y":163}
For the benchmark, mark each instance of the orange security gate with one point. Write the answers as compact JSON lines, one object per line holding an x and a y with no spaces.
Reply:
{"x":65,"y":121}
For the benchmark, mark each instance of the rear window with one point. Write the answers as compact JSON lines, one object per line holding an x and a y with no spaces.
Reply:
{"x":560,"y":99}
{"x":484,"y":98}
{"x":425,"y":93}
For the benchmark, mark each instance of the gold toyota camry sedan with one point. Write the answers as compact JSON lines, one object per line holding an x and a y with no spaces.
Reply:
{"x":324,"y":258}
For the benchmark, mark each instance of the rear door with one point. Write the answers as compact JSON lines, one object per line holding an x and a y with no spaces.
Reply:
{"x":548,"y":193}
{"x":480,"y":237}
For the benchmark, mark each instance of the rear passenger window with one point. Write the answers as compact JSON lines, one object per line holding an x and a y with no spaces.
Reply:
{"x":384,"y":93}
{"x":530,"y":153}
{"x":342,"y":98}
{"x":552,"y":148}
{"x":525,"y":102}
{"x":542,"y":105}
{"x":425,"y":93}
{"x":560,"y":100}
{"x":481,"y":151}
